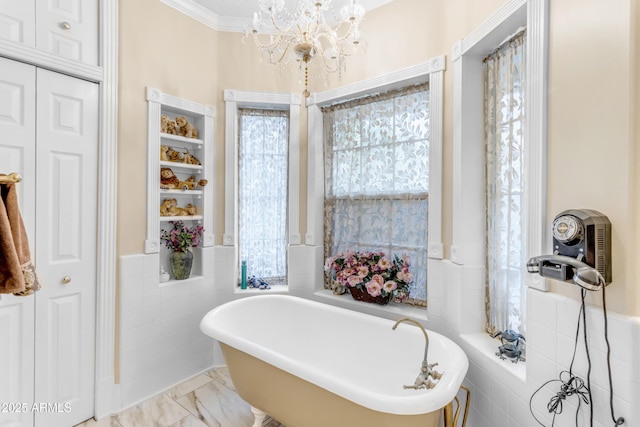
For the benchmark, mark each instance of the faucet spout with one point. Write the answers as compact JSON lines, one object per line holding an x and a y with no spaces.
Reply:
{"x":424,"y":331}
{"x":428,"y":377}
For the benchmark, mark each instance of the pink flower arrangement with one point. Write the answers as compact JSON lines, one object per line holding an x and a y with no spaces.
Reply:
{"x":182,"y":238}
{"x":374,"y":272}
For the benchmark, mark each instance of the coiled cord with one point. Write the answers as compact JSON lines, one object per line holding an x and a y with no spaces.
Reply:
{"x":572,"y":385}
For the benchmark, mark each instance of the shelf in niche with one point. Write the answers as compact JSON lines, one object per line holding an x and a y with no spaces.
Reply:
{"x":181,"y":218}
{"x":181,"y":165}
{"x":182,"y":192}
{"x":178,"y":282}
{"x":179,"y":138}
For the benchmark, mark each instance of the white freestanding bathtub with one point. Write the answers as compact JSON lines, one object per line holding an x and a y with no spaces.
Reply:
{"x":310,"y":364}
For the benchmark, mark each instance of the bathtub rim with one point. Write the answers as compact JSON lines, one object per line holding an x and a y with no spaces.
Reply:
{"x":418,"y":402}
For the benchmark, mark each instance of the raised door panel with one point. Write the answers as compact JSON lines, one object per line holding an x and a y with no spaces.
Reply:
{"x":17,"y":21}
{"x":67,"y":150}
{"x":17,"y":127}
{"x":17,"y":154}
{"x":69,"y":28}
{"x":16,"y":359}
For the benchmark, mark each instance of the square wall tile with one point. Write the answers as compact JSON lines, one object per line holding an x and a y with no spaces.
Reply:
{"x":541,"y":309}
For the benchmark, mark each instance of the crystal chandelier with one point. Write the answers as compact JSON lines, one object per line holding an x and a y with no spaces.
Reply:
{"x":306,"y":37}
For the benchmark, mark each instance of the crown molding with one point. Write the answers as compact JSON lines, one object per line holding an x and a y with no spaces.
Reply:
{"x":207,"y":17}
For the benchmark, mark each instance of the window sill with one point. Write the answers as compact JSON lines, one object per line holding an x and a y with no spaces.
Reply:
{"x":485,"y":347}
{"x":274,"y":289}
{"x":346,"y":301}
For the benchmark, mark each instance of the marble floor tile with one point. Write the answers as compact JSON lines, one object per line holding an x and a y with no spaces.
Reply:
{"x":160,"y":411}
{"x":217,"y":405}
{"x":102,"y":422}
{"x":206,"y":400}
{"x":190,"y":421}
{"x":188,"y":386}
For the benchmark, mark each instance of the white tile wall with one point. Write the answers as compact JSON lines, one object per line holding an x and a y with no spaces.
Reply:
{"x":500,"y":391}
{"x":160,"y":339}
{"x":161,"y":343}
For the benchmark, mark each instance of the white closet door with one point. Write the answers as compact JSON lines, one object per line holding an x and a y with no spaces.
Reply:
{"x":18,"y":21}
{"x":67,"y":148}
{"x":68,"y":28}
{"x":17,"y":154}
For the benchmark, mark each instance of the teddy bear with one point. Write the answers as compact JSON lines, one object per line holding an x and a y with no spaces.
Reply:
{"x":171,"y":127}
{"x":184,"y":127}
{"x":202,"y":182}
{"x":164,"y":122}
{"x":164,"y":150}
{"x":194,"y":133}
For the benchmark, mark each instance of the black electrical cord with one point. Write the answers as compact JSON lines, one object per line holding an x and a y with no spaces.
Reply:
{"x":620,"y":420}
{"x":583,"y":294}
{"x":570,"y":385}
{"x":574,"y":385}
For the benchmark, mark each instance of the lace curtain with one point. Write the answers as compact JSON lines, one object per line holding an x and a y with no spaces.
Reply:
{"x":262,"y":192}
{"x":377,"y":178}
{"x":504,"y":73}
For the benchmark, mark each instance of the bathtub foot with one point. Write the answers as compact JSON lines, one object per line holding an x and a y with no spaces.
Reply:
{"x":259,"y":417}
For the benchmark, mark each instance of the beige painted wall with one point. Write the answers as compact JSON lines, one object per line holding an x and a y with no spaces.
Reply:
{"x":592,"y":102}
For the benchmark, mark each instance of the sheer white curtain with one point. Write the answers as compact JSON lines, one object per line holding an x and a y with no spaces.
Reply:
{"x":505,"y":182}
{"x":262,"y":192}
{"x":377,"y":178}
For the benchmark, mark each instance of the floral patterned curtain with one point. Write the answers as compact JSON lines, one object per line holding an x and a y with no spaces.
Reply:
{"x":262,"y":192}
{"x":377,"y":178}
{"x":504,"y":72}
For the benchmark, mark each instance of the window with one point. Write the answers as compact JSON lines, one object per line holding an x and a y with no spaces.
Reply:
{"x":506,"y":220}
{"x":377,"y":178}
{"x":262,"y":192}
{"x":262,"y":183}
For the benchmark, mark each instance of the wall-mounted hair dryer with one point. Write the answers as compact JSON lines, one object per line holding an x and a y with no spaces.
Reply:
{"x":581,"y":250}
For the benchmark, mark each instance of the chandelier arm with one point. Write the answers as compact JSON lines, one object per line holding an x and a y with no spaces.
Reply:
{"x":265,"y":45}
{"x":276,"y":25}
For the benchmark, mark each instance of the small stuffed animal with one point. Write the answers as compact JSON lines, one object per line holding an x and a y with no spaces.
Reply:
{"x":190,"y":210}
{"x":184,"y":127}
{"x":168,"y":207}
{"x":194,"y":133}
{"x":175,"y":156}
{"x":164,"y":123}
{"x":171,"y":127}
{"x":168,"y":180}
{"x":202,"y":182}
{"x":189,"y":184}
{"x":191,"y":159}
{"x":164,"y":149}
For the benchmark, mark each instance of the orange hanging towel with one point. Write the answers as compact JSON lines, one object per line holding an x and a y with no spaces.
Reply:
{"x":17,"y":272}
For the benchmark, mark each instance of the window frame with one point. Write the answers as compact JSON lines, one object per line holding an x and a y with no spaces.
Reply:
{"x":234,"y":100}
{"x":431,"y":71}
{"x":467,"y":248}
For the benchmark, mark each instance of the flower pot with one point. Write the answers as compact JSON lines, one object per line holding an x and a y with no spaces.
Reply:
{"x":363,"y":295}
{"x":181,"y":264}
